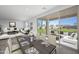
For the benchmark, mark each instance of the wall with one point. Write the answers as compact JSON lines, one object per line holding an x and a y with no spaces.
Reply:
{"x":5,"y":23}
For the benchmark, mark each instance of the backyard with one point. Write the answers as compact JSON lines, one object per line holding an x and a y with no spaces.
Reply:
{"x":62,"y":29}
{"x":41,"y":30}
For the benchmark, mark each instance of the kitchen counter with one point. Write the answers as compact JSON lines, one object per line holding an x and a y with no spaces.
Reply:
{"x":6,"y":36}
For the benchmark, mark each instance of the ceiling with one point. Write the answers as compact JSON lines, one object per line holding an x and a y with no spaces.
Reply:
{"x":71,"y":11}
{"x":23,"y":12}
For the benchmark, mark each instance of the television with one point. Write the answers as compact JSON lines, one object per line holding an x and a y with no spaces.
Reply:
{"x":12,"y":24}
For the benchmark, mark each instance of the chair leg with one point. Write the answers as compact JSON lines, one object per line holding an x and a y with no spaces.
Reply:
{"x":54,"y":51}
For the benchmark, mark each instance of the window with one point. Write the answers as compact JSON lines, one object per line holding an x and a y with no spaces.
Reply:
{"x":41,"y":26}
{"x":53,"y":26}
{"x":69,"y":24}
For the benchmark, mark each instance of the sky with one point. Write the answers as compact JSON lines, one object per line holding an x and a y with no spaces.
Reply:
{"x":54,"y":22}
{"x":64,"y":21}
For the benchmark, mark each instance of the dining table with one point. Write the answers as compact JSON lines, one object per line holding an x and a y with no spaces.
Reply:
{"x":37,"y":44}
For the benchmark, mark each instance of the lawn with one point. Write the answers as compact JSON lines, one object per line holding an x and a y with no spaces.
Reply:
{"x":68,"y":30}
{"x":41,"y":30}
{"x":63,"y":29}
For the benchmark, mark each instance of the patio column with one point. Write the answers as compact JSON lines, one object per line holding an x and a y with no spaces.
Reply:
{"x":78,"y":27}
{"x":47,"y":27}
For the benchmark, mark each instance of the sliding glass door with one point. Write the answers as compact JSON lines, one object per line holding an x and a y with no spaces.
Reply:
{"x":53,"y":26}
{"x":41,"y":27}
{"x":68,"y":33}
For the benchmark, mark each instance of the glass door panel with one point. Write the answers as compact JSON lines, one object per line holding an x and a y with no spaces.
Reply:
{"x":41,"y":27}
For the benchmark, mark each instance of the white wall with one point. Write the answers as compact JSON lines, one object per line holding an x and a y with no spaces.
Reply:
{"x":5,"y":23}
{"x":34,"y":26}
